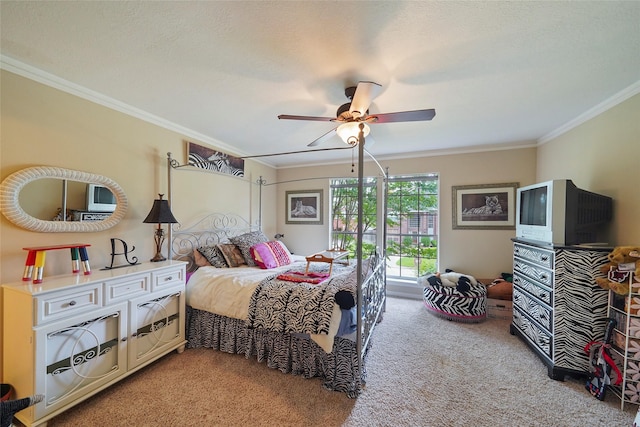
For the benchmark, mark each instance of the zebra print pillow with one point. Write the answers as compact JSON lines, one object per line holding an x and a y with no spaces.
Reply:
{"x":213,"y":255}
{"x":244,"y":243}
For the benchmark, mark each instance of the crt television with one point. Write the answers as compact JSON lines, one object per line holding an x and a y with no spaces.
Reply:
{"x":557,"y":212}
{"x":100,"y":199}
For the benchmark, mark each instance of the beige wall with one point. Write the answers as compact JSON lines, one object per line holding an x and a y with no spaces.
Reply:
{"x":44,"y":126}
{"x":603,"y":155}
{"x":483,"y":253}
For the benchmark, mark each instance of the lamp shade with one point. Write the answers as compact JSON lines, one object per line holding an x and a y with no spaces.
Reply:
{"x":160,"y":213}
{"x":349,"y":131}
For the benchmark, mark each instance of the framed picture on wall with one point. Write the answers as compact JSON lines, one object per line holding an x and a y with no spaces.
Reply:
{"x":484,"y":207}
{"x":304,"y":207}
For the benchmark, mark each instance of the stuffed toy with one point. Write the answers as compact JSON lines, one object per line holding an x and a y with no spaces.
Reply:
{"x":462,"y":282}
{"x":623,"y":261}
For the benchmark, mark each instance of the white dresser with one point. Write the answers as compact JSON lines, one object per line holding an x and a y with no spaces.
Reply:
{"x":74,"y":335}
{"x":557,"y":305}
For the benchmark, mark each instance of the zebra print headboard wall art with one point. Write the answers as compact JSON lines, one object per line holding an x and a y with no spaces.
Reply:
{"x":210,"y":230}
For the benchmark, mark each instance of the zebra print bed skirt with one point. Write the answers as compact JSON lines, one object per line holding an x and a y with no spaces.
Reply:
{"x":289,"y":353}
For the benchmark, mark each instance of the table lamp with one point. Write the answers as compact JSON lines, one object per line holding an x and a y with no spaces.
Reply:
{"x":160,"y":214}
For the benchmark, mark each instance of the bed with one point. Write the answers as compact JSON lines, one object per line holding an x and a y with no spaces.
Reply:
{"x":310,"y":329}
{"x":298,"y":327}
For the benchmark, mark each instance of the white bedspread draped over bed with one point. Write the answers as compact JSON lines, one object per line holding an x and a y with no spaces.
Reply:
{"x":228,"y":292}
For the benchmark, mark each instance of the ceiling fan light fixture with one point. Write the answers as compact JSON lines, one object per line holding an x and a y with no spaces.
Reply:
{"x":348,"y":132}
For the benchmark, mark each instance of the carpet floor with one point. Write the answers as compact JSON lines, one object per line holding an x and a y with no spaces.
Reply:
{"x":422,"y":371}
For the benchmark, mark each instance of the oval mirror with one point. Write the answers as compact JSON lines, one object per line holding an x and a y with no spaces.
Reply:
{"x":41,"y":178}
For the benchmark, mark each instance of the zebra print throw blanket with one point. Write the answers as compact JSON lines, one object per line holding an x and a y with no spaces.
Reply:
{"x":298,"y":307}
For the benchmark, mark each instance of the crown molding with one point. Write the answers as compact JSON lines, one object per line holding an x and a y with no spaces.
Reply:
{"x":16,"y":67}
{"x":605,"y":105}
{"x":32,"y":73}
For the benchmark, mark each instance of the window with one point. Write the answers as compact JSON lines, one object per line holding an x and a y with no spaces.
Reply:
{"x":344,"y":213}
{"x":412,"y":235}
{"x":412,"y":218}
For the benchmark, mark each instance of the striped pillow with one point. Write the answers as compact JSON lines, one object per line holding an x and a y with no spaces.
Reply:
{"x":270,"y":254}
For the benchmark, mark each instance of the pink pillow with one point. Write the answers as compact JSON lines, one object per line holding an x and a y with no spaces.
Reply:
{"x":270,"y":254}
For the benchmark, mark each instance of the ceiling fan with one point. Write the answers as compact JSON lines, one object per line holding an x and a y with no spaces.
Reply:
{"x":355,"y":112}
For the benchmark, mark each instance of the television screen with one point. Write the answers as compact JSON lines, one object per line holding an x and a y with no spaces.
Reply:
{"x":100,"y":199}
{"x":533,"y":206}
{"x":103,"y":195}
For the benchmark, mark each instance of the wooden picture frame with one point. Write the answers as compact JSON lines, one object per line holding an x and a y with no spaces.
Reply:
{"x":484,"y":207}
{"x":304,"y":207}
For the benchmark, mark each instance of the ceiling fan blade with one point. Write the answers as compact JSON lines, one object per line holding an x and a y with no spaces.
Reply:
{"x":309,"y":118}
{"x":365,"y":93}
{"x":323,"y":138}
{"x":404,"y":116}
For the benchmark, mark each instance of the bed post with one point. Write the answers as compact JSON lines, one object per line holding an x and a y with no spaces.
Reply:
{"x":170,"y":231}
{"x":359,"y":347}
{"x":260,"y":182}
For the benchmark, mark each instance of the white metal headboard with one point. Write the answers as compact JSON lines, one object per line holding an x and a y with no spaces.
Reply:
{"x":207,"y":231}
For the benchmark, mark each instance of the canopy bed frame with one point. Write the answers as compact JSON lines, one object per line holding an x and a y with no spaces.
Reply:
{"x":343,"y":368}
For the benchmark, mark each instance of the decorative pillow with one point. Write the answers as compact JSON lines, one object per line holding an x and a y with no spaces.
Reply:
{"x":213,"y":256}
{"x":270,"y":254}
{"x":245,"y":241}
{"x":200,"y":259}
{"x":231,"y":254}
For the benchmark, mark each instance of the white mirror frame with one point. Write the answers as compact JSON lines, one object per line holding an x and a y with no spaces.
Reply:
{"x":14,"y":183}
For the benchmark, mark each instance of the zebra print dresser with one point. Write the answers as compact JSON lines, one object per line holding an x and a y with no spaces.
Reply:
{"x":557,"y":306}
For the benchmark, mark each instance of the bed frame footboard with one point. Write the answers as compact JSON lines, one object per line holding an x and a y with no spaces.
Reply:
{"x":373,"y":291}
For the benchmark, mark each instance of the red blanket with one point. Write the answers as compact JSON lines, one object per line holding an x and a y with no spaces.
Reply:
{"x":310,"y":277}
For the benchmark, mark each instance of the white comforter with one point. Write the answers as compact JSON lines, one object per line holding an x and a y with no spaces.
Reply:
{"x":227,"y":292}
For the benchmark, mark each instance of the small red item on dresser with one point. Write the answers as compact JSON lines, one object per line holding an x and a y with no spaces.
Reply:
{"x":34,"y":265}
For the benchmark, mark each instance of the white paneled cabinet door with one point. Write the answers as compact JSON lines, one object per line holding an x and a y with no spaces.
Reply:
{"x":156,"y":324}
{"x":79,"y":355}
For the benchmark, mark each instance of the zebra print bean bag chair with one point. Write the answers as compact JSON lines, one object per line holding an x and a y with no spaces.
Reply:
{"x":454,"y":296}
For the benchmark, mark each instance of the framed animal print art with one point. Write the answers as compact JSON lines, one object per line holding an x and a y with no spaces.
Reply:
{"x":304,"y":207}
{"x":207,"y":158}
{"x":484,"y":207}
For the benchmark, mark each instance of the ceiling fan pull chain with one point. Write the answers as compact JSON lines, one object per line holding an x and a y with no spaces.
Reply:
{"x":353,"y":165}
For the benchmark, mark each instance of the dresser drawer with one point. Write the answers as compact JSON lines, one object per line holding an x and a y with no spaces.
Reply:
{"x":540,"y":313}
{"x":534,"y":288}
{"x":538,"y":256}
{"x":166,"y":278}
{"x":534,"y":272}
{"x":57,"y":305}
{"x":123,"y":289}
{"x":540,"y":338}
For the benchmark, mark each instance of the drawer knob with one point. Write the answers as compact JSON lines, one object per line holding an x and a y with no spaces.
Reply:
{"x":544,"y":258}
{"x":168,"y":278}
{"x":543,"y":277}
{"x":124,"y":339}
{"x":72,"y":303}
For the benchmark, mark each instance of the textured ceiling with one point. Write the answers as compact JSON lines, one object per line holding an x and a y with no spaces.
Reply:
{"x":497,"y":73}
